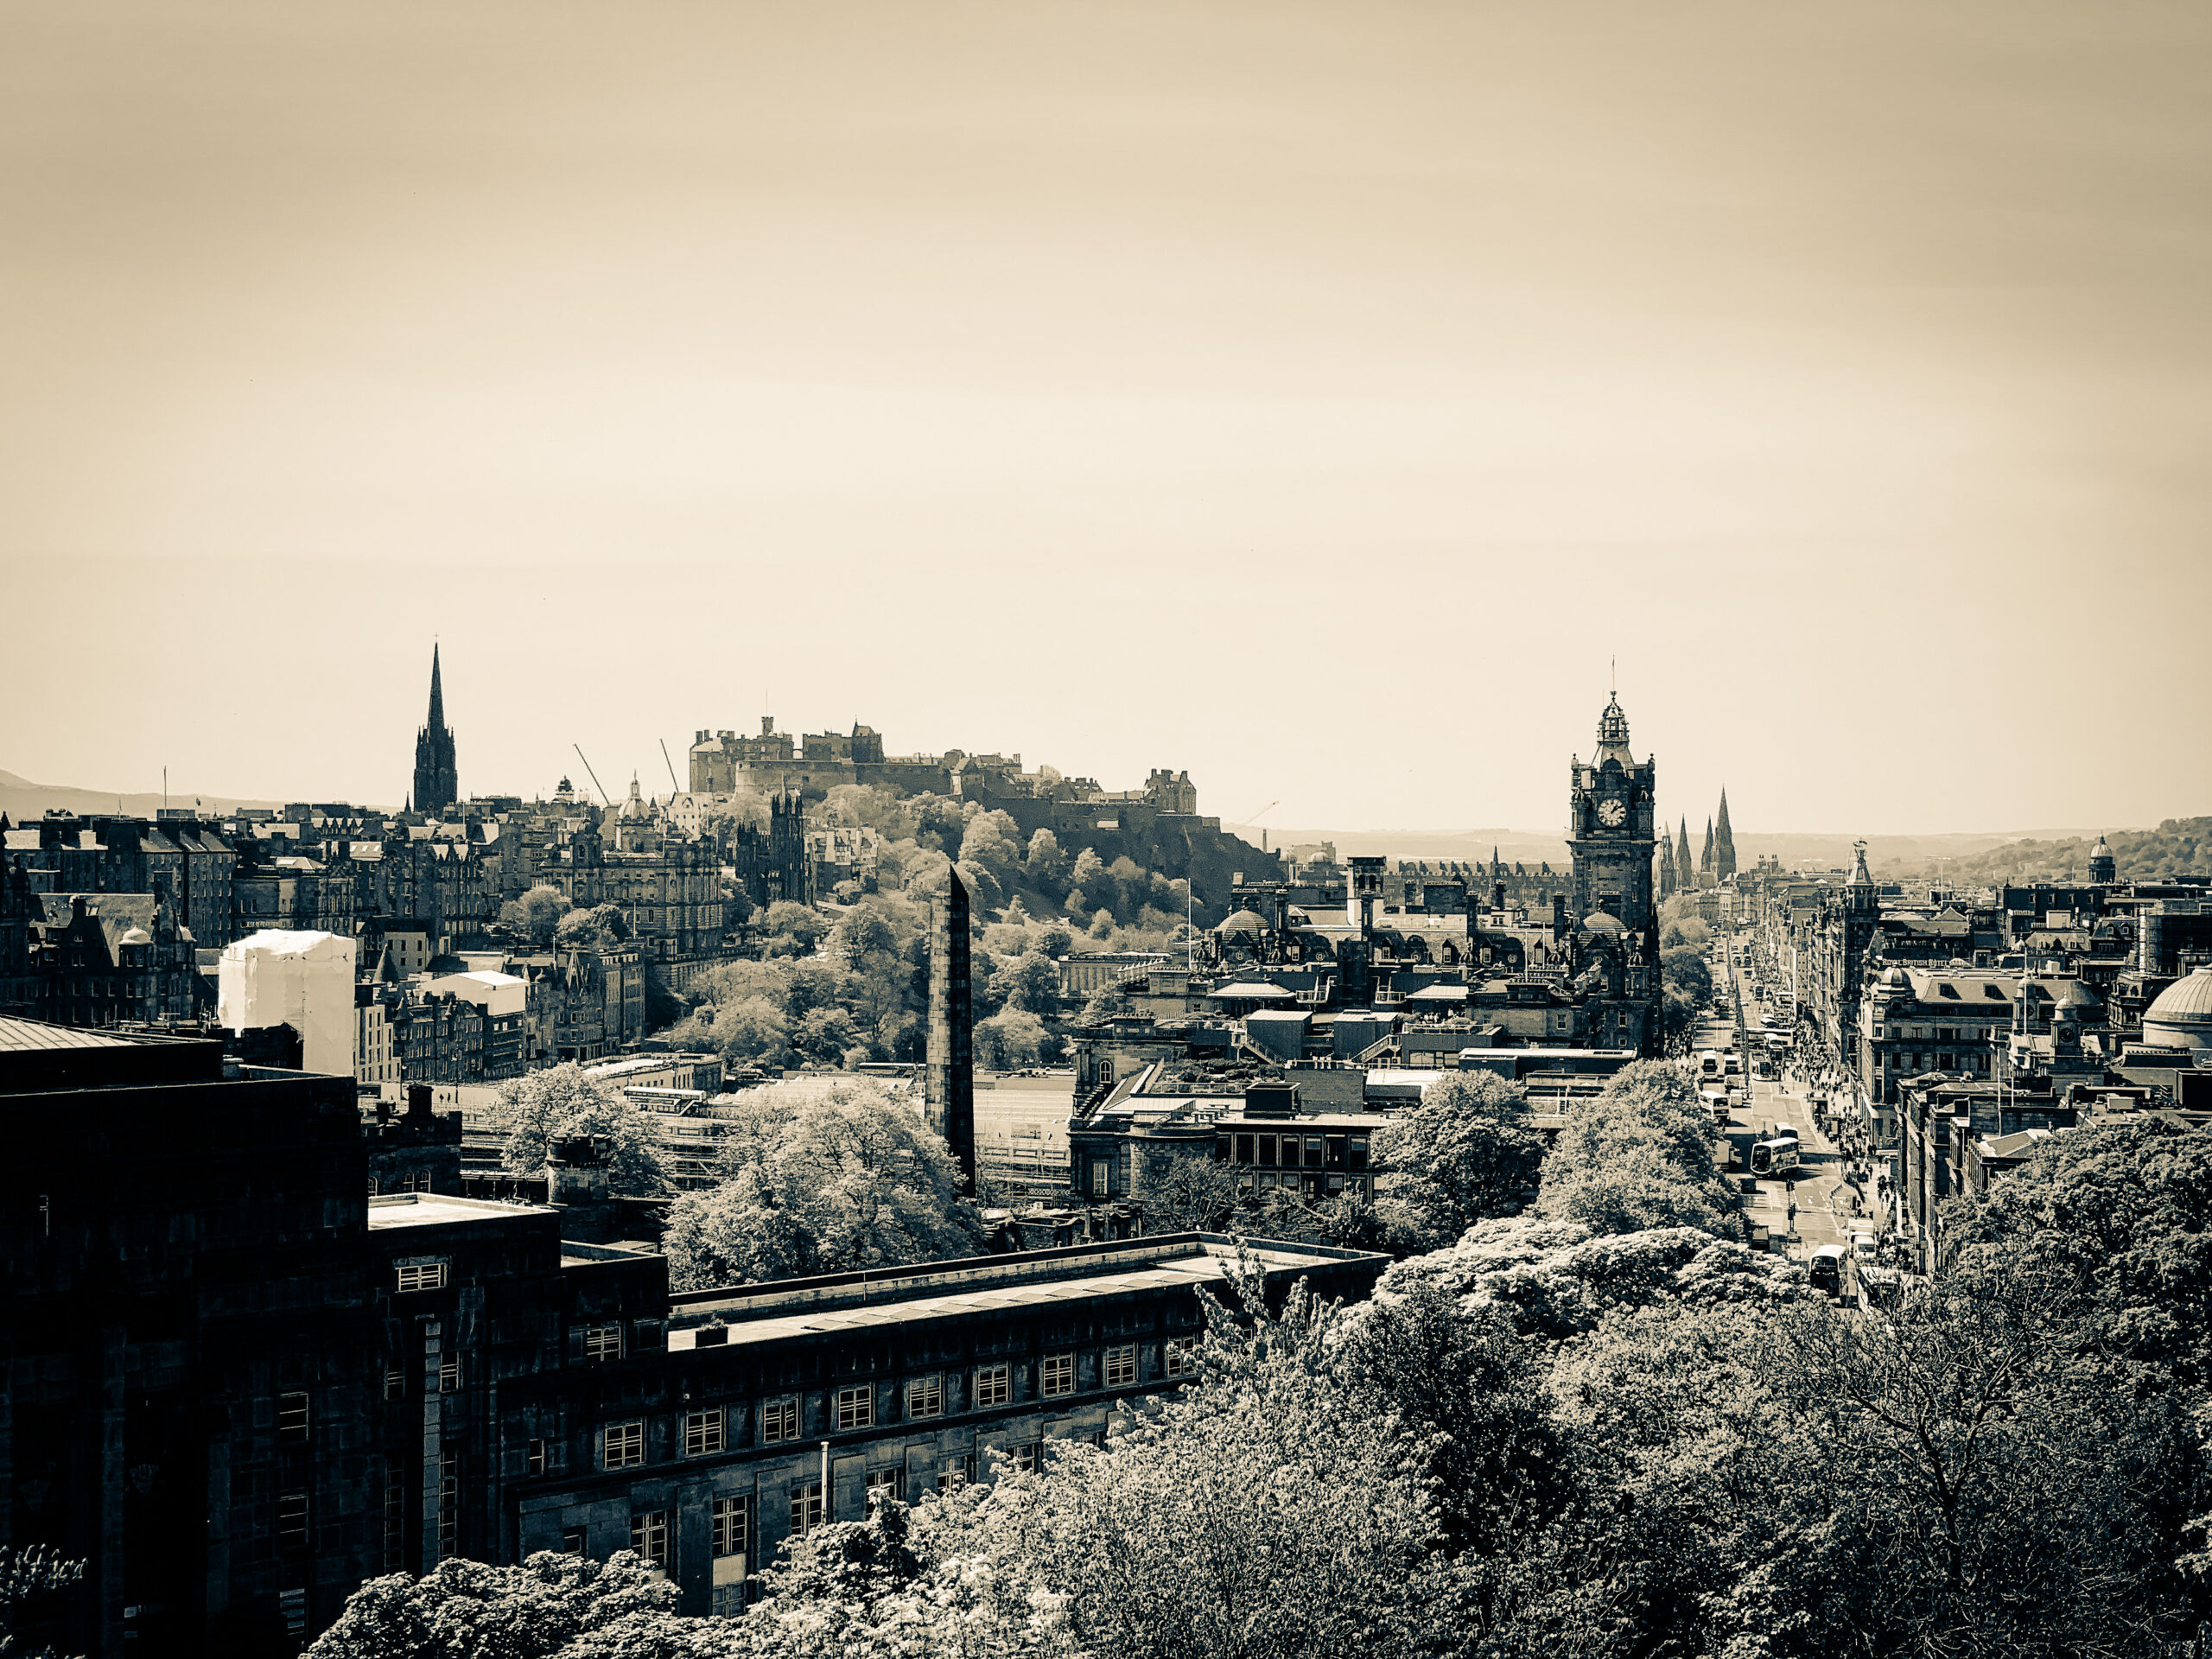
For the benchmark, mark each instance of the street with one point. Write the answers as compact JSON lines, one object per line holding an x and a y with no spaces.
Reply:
{"x":1824,"y":1199}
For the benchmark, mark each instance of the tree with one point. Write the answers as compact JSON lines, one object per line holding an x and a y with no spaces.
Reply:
{"x":536,"y":913}
{"x":1045,"y":862}
{"x":992,"y":843}
{"x":1639,"y":1156}
{"x":1033,"y":983}
{"x":535,"y":1114}
{"x":1204,"y":1529}
{"x":803,"y":925}
{"x":553,"y":1606}
{"x":825,"y":1034}
{"x":1009,"y":1040}
{"x":31,"y":1575}
{"x":847,"y":1180}
{"x":1467,"y":1152}
{"x":2122,"y":1211}
{"x":602,"y":927}
{"x":750,"y":1028}
{"x":1684,"y":967}
{"x":1089,"y":886}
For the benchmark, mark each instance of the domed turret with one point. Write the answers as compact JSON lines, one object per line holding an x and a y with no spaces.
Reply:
{"x":2182,"y":1016}
{"x":1242,"y":924}
{"x":2104,"y":868}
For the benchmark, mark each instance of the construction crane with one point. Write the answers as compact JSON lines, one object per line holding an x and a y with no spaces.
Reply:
{"x":672,"y":784}
{"x":591,"y":774}
{"x":1253,"y":822}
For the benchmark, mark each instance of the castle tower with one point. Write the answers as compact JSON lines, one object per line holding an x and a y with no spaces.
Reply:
{"x":437,"y":786}
{"x":948,"y":1083}
{"x":1724,"y":844}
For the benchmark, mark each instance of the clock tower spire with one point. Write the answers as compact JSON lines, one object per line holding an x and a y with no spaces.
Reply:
{"x":1612,"y":829}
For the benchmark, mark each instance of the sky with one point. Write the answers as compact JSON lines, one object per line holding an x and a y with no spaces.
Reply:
{"x":1322,"y":399}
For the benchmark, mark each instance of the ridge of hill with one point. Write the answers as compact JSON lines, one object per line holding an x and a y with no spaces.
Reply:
{"x":20,"y":799}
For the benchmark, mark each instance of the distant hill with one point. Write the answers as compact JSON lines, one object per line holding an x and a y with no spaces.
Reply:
{"x":2177,"y":848}
{"x":20,"y":799}
{"x":2174,"y":847}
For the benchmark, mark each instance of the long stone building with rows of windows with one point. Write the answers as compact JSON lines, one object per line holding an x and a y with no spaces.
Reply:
{"x":236,"y":1385}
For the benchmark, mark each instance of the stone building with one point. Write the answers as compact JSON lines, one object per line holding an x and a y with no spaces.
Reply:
{"x":95,"y":959}
{"x":237,"y":1386}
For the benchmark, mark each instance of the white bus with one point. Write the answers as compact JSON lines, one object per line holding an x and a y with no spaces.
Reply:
{"x":1777,"y":1157}
{"x":1709,"y":1066}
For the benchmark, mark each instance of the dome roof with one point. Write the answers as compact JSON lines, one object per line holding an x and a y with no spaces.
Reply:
{"x":2182,"y":1016}
{"x":1598,"y":921}
{"x":2101,"y":849}
{"x":1243,"y":921}
{"x":137,"y":936}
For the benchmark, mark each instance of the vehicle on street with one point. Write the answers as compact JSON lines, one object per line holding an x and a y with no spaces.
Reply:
{"x":1708,"y":1064}
{"x":1734,"y":1065}
{"x":1864,"y":1246}
{"x":1825,"y":1268}
{"x":1774,"y":1157}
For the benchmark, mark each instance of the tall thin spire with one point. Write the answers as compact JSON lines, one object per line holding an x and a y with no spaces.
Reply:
{"x":438,"y":693}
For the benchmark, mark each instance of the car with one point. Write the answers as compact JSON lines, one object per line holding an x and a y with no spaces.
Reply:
{"x":1864,"y":1246}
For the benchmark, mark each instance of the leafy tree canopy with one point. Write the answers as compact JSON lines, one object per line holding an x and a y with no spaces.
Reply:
{"x":536,"y":1112}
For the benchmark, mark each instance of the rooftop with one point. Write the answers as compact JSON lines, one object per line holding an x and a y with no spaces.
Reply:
{"x":437,"y":1210}
{"x":18,"y":1035}
{"x":1002,"y":1284}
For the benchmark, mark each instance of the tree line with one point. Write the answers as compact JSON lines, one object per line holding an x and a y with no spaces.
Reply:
{"x":1546,"y":1438}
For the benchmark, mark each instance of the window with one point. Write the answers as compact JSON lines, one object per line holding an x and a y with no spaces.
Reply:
{"x":779,"y":1418}
{"x":291,"y":1520}
{"x":649,"y":1537}
{"x":1056,"y":1374}
{"x":1024,"y":1458}
{"x":925,"y":1396}
{"x":1102,"y":1179}
{"x":1243,"y":1148}
{"x":956,"y":1470}
{"x":450,"y":1373}
{"x":883,"y":1486}
{"x":625,"y":1444}
{"x":1289,"y":1150}
{"x":1356,"y":1151}
{"x":993,"y":1385}
{"x":534,"y":1458}
{"x":732,"y":1530}
{"x":1313,"y":1151}
{"x":806,"y":1507}
{"x":448,"y":1504}
{"x":1266,"y":1150}
{"x":292,"y":1419}
{"x":394,"y":1521}
{"x":729,"y":1599}
{"x":421,"y":1275}
{"x":293,"y":1604}
{"x":1182,"y":1356}
{"x":603,"y":1341}
{"x":1120,"y":1368}
{"x":395,"y":1383}
{"x":703,"y":1431}
{"x":856,"y":1407}
{"x":572,"y":1542}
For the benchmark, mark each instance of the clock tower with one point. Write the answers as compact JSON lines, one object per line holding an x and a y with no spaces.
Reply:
{"x":1611,"y":830}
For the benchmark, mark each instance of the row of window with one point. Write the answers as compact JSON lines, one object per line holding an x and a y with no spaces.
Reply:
{"x":706,"y":1431}
{"x":1293,"y":1151}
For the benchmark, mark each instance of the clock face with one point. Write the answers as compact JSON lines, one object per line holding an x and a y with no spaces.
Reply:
{"x":1611,"y":813}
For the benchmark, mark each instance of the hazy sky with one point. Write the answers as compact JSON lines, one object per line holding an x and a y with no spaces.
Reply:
{"x":1316,"y":397}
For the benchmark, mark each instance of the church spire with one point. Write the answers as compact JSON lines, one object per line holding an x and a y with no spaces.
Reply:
{"x":437,"y":782}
